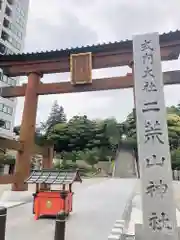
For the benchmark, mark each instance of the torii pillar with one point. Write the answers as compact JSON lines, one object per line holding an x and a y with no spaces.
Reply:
{"x":47,"y":163}
{"x":27,"y":132}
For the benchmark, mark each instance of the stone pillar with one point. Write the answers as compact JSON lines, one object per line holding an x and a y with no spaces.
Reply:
{"x":27,"y":132}
{"x":158,"y":206}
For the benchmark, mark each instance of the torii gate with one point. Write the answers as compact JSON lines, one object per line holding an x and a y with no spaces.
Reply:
{"x":80,"y":62}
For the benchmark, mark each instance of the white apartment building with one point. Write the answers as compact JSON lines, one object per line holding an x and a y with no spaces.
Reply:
{"x":13,"y":20}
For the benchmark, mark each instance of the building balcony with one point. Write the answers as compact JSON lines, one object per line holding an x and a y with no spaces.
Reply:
{"x":6,"y":36}
{"x":12,"y":29}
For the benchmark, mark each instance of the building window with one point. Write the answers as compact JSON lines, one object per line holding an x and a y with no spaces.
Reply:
{"x":11,"y":81}
{"x":6,"y":109}
{"x":19,"y":34}
{"x":6,"y":23}
{"x":1,"y":107}
{"x":8,"y":80}
{"x":7,"y":125}
{"x":12,"y":28}
{"x":3,"y":48}
{"x":5,"y":79}
{"x":10,"y":2}
{"x":10,"y":110}
{"x":1,"y":4}
{"x":8,"y":11}
{"x":20,"y":21}
{"x":19,"y":10}
{"x":4,"y":36}
{"x":8,"y":51}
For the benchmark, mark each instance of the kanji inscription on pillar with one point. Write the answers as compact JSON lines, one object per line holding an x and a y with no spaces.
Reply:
{"x":81,"y":68}
{"x":159,"y":212}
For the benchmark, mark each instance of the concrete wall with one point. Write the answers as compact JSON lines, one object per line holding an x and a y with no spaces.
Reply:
{"x":125,"y":166}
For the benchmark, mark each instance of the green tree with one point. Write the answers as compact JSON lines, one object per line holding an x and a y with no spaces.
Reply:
{"x":113,"y":132}
{"x":56,"y":116}
{"x":173,"y":122}
{"x":77,"y":134}
{"x":73,"y":156}
{"x":59,"y":136}
{"x":175,"y":159}
{"x":80,"y":131}
{"x":174,"y":110}
{"x":90,"y":156}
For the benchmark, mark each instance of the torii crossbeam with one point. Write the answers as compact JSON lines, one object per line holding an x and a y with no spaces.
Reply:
{"x":170,"y":78}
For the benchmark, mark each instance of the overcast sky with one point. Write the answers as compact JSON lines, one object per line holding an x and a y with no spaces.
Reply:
{"x":59,"y":24}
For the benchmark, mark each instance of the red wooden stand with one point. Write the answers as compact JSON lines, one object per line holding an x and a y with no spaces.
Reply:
{"x":50,"y":202}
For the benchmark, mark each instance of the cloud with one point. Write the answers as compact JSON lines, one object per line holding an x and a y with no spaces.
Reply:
{"x":125,"y":17}
{"x":45,"y":34}
{"x":70,"y":23}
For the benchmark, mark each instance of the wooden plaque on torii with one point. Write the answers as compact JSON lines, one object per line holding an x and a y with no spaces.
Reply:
{"x":81,"y":68}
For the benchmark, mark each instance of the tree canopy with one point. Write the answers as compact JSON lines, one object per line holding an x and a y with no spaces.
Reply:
{"x":56,"y":116}
{"x":96,"y":140}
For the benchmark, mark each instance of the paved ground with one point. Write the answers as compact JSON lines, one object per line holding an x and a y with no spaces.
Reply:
{"x":11,"y":199}
{"x":97,"y":205}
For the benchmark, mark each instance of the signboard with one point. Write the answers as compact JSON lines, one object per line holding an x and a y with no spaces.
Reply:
{"x":81,"y":68}
{"x":159,"y":212}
